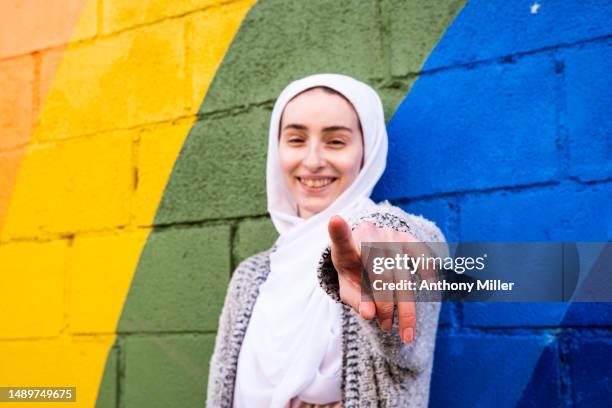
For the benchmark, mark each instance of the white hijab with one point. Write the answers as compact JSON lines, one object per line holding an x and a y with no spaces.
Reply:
{"x":293,"y":343}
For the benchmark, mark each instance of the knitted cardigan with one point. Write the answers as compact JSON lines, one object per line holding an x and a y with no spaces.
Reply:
{"x":378,"y":369}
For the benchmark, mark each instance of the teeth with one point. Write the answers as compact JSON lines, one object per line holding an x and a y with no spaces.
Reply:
{"x":316,"y":183}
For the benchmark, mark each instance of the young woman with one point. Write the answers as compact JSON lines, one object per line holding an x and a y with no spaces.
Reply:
{"x":294,"y":331}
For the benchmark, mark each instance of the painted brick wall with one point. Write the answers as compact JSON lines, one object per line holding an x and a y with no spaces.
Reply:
{"x":132,"y":156}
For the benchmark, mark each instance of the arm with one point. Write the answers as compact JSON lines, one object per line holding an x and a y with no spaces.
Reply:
{"x":239,"y":300}
{"x":416,"y":355}
{"x":216,"y":390}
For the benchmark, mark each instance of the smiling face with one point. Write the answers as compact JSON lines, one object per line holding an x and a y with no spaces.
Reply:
{"x":320,"y":148}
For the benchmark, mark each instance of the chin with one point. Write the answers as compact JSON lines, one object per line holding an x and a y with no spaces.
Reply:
{"x":315,"y":209}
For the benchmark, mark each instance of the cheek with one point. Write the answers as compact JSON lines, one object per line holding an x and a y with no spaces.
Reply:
{"x":349,"y":166}
{"x":288,"y":162}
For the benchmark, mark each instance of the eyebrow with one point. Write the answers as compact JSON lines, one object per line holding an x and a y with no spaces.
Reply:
{"x":326,"y":129}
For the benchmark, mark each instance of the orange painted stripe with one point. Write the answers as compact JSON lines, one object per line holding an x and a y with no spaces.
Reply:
{"x":26,"y":28}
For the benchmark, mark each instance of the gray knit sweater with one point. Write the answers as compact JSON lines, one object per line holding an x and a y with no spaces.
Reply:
{"x":378,"y":369}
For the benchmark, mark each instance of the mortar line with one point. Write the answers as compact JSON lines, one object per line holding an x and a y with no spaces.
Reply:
{"x":517,"y":55}
{"x":67,"y":286}
{"x":144,"y":126}
{"x":220,"y":4}
{"x":561,"y":133}
{"x":509,"y":188}
{"x":586,"y":332}
{"x":129,"y":229}
{"x":385,"y":43}
{"x":487,"y":190}
{"x":565,"y":383}
{"x":233,"y":234}
{"x":134,"y":166}
{"x":121,"y":364}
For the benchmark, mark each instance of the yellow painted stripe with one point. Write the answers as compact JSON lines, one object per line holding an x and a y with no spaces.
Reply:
{"x":120,"y":105}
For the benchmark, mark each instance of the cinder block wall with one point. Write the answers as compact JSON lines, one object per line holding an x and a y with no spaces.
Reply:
{"x":132,"y":156}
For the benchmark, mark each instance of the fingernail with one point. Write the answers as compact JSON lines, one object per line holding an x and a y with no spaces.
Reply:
{"x":408,"y":334}
{"x":386,"y":325}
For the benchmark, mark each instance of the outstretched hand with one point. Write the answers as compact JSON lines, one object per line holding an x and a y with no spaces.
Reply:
{"x":346,"y":257}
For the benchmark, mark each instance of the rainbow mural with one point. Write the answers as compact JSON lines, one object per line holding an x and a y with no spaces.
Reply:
{"x":132,"y":182}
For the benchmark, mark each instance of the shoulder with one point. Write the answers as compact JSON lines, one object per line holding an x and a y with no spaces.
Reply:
{"x":252,"y":270}
{"x":255,"y":261}
{"x":384,"y":214}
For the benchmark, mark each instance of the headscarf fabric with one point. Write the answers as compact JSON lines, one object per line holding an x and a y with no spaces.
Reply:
{"x":293,"y":343}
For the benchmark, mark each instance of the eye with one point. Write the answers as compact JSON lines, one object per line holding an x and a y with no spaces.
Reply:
{"x":293,"y":139}
{"x":337,"y":142}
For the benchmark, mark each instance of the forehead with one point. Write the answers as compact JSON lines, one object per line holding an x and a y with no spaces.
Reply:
{"x":317,"y":107}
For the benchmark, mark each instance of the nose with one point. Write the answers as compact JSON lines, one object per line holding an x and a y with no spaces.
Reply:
{"x":314,"y":159}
